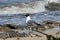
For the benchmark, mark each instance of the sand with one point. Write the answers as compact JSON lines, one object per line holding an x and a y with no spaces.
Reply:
{"x":24,"y":38}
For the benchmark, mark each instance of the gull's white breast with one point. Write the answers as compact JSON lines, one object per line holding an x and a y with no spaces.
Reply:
{"x":28,"y":18}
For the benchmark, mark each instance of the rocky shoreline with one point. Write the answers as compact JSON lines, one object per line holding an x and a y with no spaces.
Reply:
{"x":11,"y":31}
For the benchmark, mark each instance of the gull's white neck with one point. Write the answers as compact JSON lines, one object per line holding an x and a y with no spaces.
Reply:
{"x":28,"y":18}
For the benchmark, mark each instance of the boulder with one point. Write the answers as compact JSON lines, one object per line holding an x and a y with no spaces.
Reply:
{"x":53,"y":6}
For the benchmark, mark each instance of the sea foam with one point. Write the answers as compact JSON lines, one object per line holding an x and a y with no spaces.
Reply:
{"x":32,"y":7}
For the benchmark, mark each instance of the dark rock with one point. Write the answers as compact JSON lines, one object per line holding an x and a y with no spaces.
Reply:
{"x":12,"y":33}
{"x":48,"y":24}
{"x":58,"y":39}
{"x":53,"y":6}
{"x":4,"y":35}
{"x":11,"y":26}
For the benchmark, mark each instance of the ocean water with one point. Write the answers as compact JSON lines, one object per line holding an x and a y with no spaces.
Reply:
{"x":11,"y":11}
{"x":33,"y":6}
{"x":23,"y":6}
{"x":17,"y":1}
{"x":18,"y":19}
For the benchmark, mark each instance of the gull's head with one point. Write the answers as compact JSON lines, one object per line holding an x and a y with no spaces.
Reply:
{"x":27,"y":15}
{"x":27,"y":18}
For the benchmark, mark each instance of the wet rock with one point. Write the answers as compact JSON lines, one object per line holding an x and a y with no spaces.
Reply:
{"x":53,"y":6}
{"x":12,"y":33}
{"x":9,"y":34}
{"x":11,"y":26}
{"x":4,"y":35}
{"x":3,"y":28}
{"x":58,"y":34}
{"x":16,"y":34}
{"x":49,"y":24}
{"x":58,"y":39}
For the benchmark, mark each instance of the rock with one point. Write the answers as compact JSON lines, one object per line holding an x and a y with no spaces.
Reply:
{"x":53,"y":6}
{"x":12,"y":33}
{"x":4,"y":29}
{"x":50,"y":24}
{"x":47,"y":24}
{"x":11,"y":26}
{"x":4,"y":35}
{"x":58,"y":34}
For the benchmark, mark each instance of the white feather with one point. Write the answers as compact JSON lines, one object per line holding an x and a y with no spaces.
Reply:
{"x":28,"y":18}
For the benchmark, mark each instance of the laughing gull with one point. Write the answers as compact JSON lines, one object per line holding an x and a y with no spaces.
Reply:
{"x":31,"y":23}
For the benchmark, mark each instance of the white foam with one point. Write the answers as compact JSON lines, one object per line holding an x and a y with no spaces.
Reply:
{"x":32,"y":7}
{"x":56,"y":1}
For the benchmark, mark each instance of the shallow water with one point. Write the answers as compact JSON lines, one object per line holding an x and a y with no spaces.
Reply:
{"x":21,"y":19}
{"x":17,"y":1}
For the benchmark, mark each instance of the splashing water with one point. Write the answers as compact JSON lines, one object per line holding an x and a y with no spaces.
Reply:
{"x":27,"y":6}
{"x":56,"y":1}
{"x":32,"y":7}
